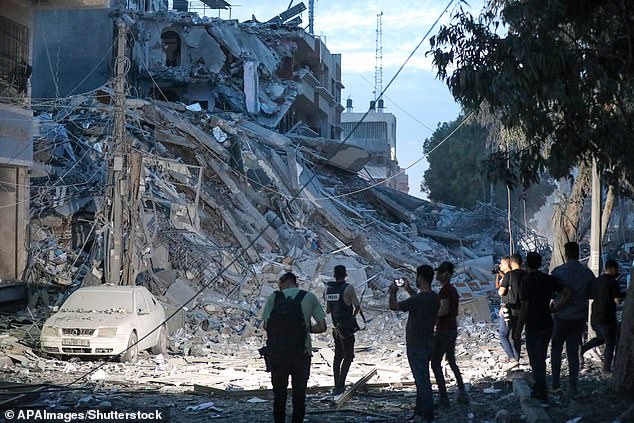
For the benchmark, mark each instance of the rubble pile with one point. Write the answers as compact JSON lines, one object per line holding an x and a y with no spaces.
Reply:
{"x":201,"y":209}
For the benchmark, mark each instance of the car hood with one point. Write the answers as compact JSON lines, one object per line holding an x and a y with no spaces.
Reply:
{"x":73,"y":319}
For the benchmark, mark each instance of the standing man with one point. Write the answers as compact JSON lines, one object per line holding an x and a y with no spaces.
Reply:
{"x":607,"y":295}
{"x":287,"y":321}
{"x":510,"y":309}
{"x":419,"y":334}
{"x":502,"y":268}
{"x":570,"y":319}
{"x":446,"y":334}
{"x":536,"y":293}
{"x":343,"y":306}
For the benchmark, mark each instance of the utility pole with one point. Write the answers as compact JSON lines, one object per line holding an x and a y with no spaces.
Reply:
{"x":118,"y":171}
{"x":595,"y":229}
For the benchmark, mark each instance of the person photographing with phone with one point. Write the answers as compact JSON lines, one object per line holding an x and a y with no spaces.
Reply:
{"x":419,"y":334}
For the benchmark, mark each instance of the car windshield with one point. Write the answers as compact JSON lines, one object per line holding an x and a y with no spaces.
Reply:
{"x":87,"y":301}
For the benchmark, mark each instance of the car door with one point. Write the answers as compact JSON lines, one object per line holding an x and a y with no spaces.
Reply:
{"x":144,"y":320}
{"x":156,"y":316}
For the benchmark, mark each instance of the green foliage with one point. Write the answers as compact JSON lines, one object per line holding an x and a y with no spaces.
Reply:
{"x":560,"y":71}
{"x":460,"y":172}
{"x":456,"y":175}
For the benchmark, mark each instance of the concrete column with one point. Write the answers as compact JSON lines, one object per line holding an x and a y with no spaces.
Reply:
{"x":14,"y":208}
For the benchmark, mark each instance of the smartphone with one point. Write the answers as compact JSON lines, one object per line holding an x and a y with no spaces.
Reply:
{"x":399,"y":282}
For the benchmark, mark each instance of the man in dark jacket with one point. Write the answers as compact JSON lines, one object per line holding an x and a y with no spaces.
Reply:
{"x":570,"y":320}
{"x":419,"y":334}
{"x":343,"y":306}
{"x":607,"y":295}
{"x":537,"y":291}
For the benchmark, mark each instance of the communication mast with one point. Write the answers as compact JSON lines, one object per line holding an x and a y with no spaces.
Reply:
{"x":378,"y":58}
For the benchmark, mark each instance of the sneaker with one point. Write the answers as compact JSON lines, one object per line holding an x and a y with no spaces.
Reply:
{"x":511,"y":365}
{"x":338,"y":391}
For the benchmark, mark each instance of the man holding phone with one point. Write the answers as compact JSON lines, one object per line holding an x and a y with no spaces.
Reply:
{"x":419,"y":334}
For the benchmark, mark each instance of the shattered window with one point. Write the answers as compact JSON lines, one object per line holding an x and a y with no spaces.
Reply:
{"x":14,"y":53}
{"x":172,"y":47}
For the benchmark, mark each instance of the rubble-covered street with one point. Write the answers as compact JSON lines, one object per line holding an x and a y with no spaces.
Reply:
{"x":228,"y":381}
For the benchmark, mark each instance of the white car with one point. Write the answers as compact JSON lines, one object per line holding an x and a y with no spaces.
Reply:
{"x":106,"y":320}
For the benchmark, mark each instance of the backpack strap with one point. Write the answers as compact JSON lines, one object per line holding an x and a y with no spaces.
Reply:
{"x":279,"y":297}
{"x":300,"y":295}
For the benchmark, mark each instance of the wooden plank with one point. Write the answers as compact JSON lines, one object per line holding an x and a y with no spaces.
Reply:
{"x":202,"y":389}
{"x":357,"y":385}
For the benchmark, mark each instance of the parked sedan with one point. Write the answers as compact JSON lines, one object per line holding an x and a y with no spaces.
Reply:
{"x":106,"y":320}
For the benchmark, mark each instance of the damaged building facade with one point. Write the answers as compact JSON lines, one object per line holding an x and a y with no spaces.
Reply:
{"x":375,"y":132}
{"x":279,"y":74}
{"x":16,"y":148}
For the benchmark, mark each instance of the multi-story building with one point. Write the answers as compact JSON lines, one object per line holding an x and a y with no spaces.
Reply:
{"x":376,"y":133}
{"x":16,"y":121}
{"x":274,"y":71}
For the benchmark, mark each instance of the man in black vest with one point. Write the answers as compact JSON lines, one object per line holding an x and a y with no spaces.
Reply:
{"x":343,"y":306}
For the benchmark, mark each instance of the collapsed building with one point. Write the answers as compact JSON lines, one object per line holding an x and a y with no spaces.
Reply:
{"x":240,"y":174}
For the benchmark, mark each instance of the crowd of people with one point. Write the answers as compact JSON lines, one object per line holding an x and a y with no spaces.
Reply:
{"x":553,"y":310}
{"x":548,"y":309}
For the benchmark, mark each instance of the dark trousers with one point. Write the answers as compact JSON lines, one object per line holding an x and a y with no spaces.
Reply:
{"x":606,"y":334}
{"x":445,"y":345}
{"x":419,"y":357}
{"x":344,"y":354}
{"x":299,"y":371}
{"x":568,"y":332}
{"x":537,"y":348}
{"x":505,"y":330}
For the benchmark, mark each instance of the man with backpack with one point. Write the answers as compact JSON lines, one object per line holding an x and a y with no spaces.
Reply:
{"x":287,"y":321}
{"x":343,"y":306}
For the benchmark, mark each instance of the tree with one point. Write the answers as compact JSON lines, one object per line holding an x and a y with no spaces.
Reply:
{"x":562,"y":73}
{"x":456,"y":174}
{"x":459,"y":173}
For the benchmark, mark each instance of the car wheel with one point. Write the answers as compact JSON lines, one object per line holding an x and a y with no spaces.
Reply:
{"x":132,"y":352}
{"x":161,"y":343}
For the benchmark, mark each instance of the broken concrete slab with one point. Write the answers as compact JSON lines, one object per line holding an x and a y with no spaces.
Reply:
{"x":531,"y":409}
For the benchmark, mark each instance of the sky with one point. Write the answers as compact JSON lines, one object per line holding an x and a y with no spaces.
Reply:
{"x":418,"y":100}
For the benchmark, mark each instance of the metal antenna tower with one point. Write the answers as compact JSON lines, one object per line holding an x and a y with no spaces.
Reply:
{"x":378,"y":57}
